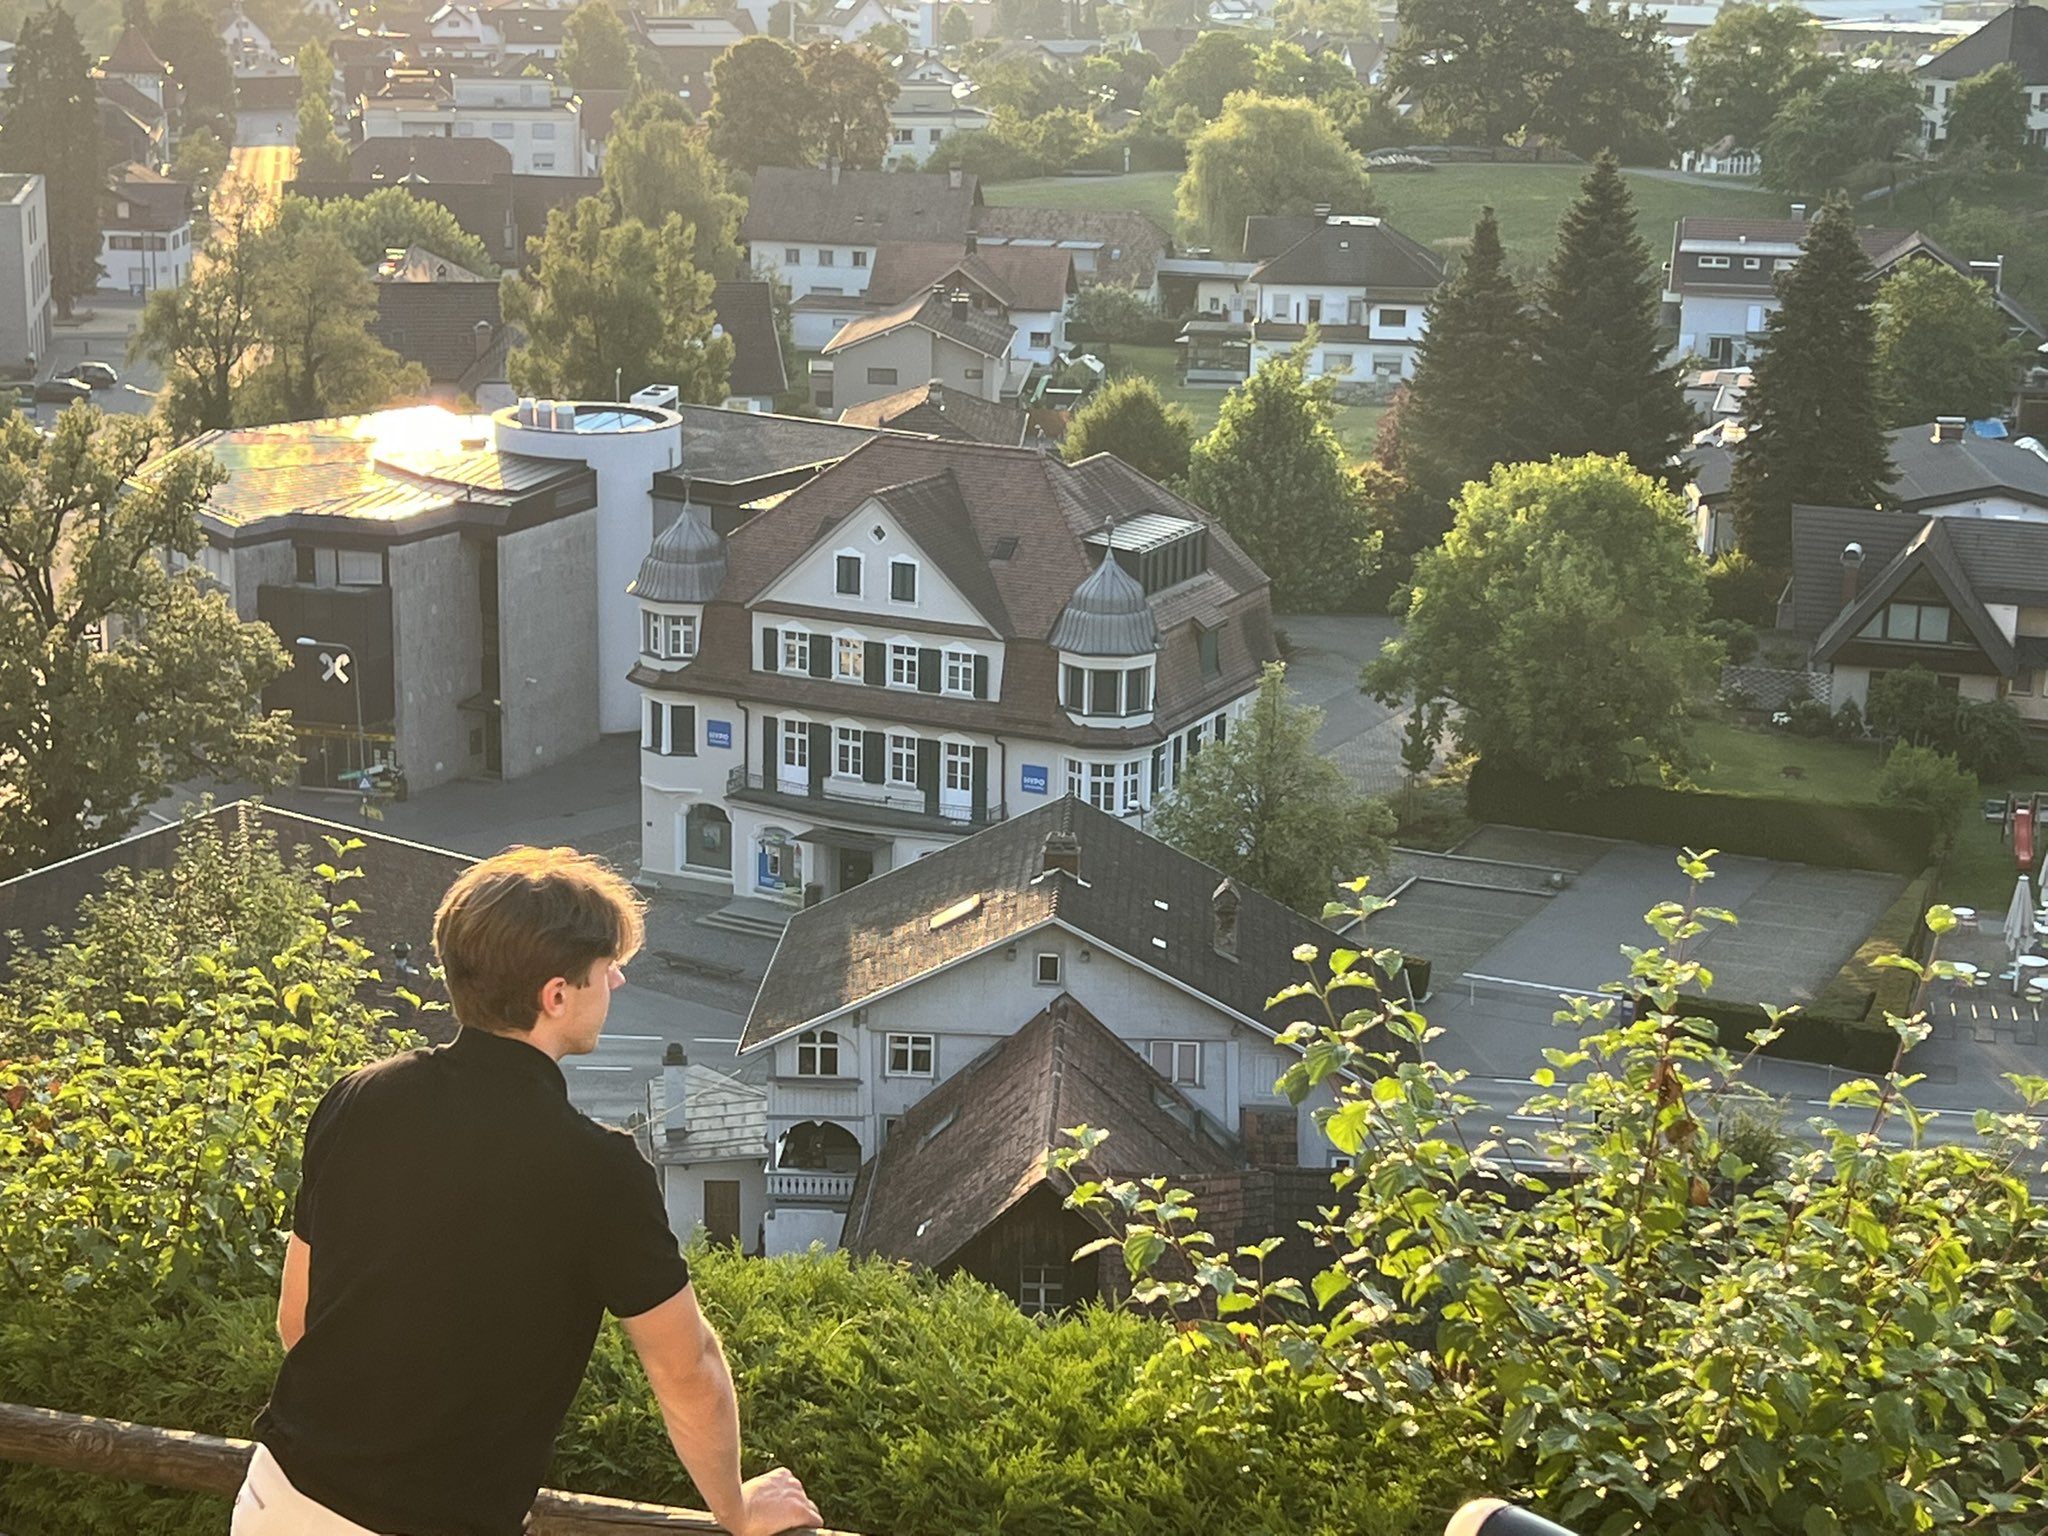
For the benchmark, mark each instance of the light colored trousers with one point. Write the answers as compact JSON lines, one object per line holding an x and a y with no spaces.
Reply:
{"x":269,"y":1505}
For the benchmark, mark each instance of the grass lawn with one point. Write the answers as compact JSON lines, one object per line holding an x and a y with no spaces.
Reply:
{"x":1750,"y":761}
{"x":1356,"y":425}
{"x":1437,"y":207}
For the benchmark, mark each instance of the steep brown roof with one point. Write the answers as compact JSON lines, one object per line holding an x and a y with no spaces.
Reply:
{"x":976,"y":1144}
{"x":943,"y":413}
{"x":129,"y":100}
{"x":1353,"y":255}
{"x":936,"y":313}
{"x":1135,"y":895}
{"x":435,"y":324}
{"x":859,"y":207}
{"x":463,"y":161}
{"x":132,"y":55}
{"x":1127,"y":246}
{"x":747,"y":311}
{"x":1016,"y":277}
{"x":2017,"y":36}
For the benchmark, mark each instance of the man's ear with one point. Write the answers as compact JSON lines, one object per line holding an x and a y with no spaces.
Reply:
{"x":554,"y":996}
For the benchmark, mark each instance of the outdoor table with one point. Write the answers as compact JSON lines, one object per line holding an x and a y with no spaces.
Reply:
{"x":1966,"y":918}
{"x":2030,"y":968}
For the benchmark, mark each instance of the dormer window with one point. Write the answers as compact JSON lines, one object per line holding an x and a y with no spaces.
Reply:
{"x":668,"y":636}
{"x":1106,"y":692}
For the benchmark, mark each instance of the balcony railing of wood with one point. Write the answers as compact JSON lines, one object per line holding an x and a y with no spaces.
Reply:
{"x":194,"y":1463}
{"x":806,"y":1184}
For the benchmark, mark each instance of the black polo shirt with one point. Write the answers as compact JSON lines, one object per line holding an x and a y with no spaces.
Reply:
{"x":469,"y":1229}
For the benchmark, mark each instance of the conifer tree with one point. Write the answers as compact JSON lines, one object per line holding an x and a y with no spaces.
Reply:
{"x":1600,"y":380}
{"x":1469,"y":395}
{"x":1814,"y":428}
{"x":53,"y":128}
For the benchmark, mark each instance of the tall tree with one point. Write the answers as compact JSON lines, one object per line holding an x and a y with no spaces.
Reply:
{"x":1848,"y":127}
{"x":1131,"y":419}
{"x":1990,"y":110}
{"x":118,"y":677}
{"x":1479,"y":70}
{"x":187,"y":37}
{"x":1287,"y":69}
{"x":597,"y":49}
{"x":956,"y":28}
{"x":313,"y":303}
{"x":1599,"y":372}
{"x":1748,"y":64}
{"x":1617,"y":86}
{"x":611,"y":306}
{"x":1942,"y":347}
{"x":1213,"y":68}
{"x":847,"y":91}
{"x":1273,"y":472}
{"x":202,"y":160}
{"x":1267,"y":156}
{"x":322,"y":155}
{"x":1469,"y":404}
{"x":53,"y":130}
{"x":200,"y":334}
{"x":1562,"y":617}
{"x":1814,"y":428}
{"x":658,"y":162}
{"x":389,"y":218}
{"x":757,"y":88}
{"x":1266,"y":808}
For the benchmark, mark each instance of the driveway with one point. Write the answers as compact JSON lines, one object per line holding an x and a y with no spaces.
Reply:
{"x":1360,"y":734}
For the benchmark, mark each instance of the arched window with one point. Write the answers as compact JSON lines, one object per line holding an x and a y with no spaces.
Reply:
{"x":817,"y":1053}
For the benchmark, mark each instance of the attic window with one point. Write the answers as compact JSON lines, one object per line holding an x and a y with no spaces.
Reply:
{"x":950,"y":915}
{"x":936,"y":1131}
{"x":1004,"y":549}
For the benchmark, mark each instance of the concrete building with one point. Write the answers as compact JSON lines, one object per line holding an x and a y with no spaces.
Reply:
{"x":146,"y":233}
{"x":706,"y":1133}
{"x":540,"y":127}
{"x":24,"y":274}
{"x":929,"y":109}
{"x":922,"y":640}
{"x":2017,"y":36}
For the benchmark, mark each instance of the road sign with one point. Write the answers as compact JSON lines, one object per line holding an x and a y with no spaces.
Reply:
{"x":334,"y":666}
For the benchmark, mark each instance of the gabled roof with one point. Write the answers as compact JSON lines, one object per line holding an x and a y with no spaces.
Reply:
{"x":132,"y":55}
{"x":973,"y":1147}
{"x":721,"y":1118}
{"x":1933,"y":474}
{"x":1353,"y":253}
{"x":1016,"y":277}
{"x":2017,"y":36}
{"x":1127,"y":246}
{"x":935,"y":313}
{"x":747,"y":311}
{"x":859,"y":207}
{"x":124,"y":96}
{"x":1134,"y":895}
{"x":943,"y":413}
{"x":434,"y":323}
{"x":1932,"y":550}
{"x":465,"y":162}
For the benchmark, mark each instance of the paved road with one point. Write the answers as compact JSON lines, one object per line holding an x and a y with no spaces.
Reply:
{"x":264,"y":157}
{"x":1360,"y":734}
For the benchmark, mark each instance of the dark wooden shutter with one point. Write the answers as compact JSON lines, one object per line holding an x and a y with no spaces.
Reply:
{"x":928,"y":775}
{"x":821,"y":655}
{"x":874,"y":666}
{"x":771,"y":750}
{"x":872,"y":763}
{"x":980,"y":802}
{"x":981,"y":677}
{"x":771,"y":650}
{"x":821,"y":756}
{"x":928,"y":674}
{"x":1158,"y":771}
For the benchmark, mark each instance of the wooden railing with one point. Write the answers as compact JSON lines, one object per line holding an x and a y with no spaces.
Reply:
{"x":178,"y":1458}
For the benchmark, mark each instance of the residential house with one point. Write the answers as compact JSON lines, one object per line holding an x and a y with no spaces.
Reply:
{"x":1365,"y":57}
{"x":1721,"y":283}
{"x":463,"y":32}
{"x":1107,"y":245}
{"x":133,"y":129}
{"x":246,"y":43}
{"x":933,"y":409}
{"x":527,"y":33}
{"x":1065,"y":921}
{"x":1027,"y":286}
{"x":706,"y":1132}
{"x":921,"y":640}
{"x":747,"y":312}
{"x":848,"y":21}
{"x":2017,"y":36}
{"x":818,"y":231}
{"x":441,"y":315}
{"x":928,"y":108}
{"x":1362,"y":285}
{"x":146,"y":232}
{"x":540,"y":128}
{"x":24,"y":275}
{"x":136,"y":64}
{"x":939,"y":335}
{"x":689,"y":45}
{"x":1167,"y":44}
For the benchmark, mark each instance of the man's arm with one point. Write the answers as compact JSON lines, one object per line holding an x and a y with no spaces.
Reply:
{"x":686,"y":1367}
{"x":291,"y":1295}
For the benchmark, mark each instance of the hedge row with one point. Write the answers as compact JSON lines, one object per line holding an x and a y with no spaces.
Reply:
{"x":1162,"y":331}
{"x":1800,"y":831}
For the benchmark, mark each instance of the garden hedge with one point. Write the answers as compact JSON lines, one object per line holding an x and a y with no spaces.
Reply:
{"x":1799,"y":831}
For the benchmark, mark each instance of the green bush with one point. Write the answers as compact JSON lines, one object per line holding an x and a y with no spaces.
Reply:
{"x":1736,"y":637}
{"x":1740,"y":589}
{"x":1922,"y":779}
{"x":1800,"y":831}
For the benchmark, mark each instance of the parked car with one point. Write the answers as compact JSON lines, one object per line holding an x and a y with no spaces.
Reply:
{"x":92,"y":373}
{"x":62,"y":391}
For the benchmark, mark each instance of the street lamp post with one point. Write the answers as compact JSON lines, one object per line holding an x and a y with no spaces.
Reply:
{"x":339,"y":660}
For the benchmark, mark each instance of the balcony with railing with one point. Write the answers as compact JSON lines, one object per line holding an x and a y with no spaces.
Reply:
{"x":809,"y":1186}
{"x":905,"y":810}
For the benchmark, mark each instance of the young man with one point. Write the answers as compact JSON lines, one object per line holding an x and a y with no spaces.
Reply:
{"x":459,"y":1235}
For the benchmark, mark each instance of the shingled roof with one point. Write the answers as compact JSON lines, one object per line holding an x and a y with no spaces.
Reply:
{"x":747,"y":311}
{"x":943,"y":412}
{"x":934,"y":312}
{"x":1353,"y":253}
{"x":1017,"y":277}
{"x":1135,"y":896}
{"x":859,"y":207}
{"x":975,"y":1146}
{"x":1933,"y":473}
{"x":1126,"y":246}
{"x":1998,"y":559}
{"x":2017,"y":36}
{"x":133,"y":55}
{"x":465,"y":162}
{"x":1943,"y":549}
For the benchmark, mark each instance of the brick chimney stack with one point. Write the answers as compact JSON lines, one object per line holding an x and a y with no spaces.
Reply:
{"x":1063,"y":854}
{"x":1224,"y":902}
{"x":675,"y":1092}
{"x":1852,"y":571}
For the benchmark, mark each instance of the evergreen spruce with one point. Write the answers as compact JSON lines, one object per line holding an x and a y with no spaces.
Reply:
{"x":1468,"y":399}
{"x":1600,"y":380}
{"x":1814,"y":429}
{"x":53,"y":129}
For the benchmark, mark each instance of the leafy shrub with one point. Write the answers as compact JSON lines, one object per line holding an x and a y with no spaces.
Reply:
{"x":1985,"y":736}
{"x":1810,"y":717}
{"x":1109,"y":312}
{"x":1849,"y":724}
{"x":1991,"y":739}
{"x":1740,"y":589}
{"x":1738,"y":638}
{"x":1922,"y":779}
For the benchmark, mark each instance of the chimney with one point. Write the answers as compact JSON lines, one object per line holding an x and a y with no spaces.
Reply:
{"x":832,"y":169}
{"x":955,"y":179}
{"x":1991,"y":274}
{"x":1063,"y":853}
{"x":675,"y":1091}
{"x":1949,"y":429}
{"x":1852,"y":570}
{"x":935,"y":395}
{"x":1223,"y":903}
{"x":482,"y":332}
{"x":1799,"y":213}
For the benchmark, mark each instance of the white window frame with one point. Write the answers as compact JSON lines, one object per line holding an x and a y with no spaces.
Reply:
{"x":902,"y":759}
{"x":1044,"y":975}
{"x":902,"y":664}
{"x":669,"y":636}
{"x":847,"y":753}
{"x":1713,"y":263}
{"x":956,"y":763}
{"x":1178,"y":1061}
{"x":903,"y":1052}
{"x":817,"y":1053}
{"x":796,"y":650}
{"x":796,"y":745}
{"x":849,"y":658}
{"x":658,"y":732}
{"x":959,"y":672}
{"x":792,"y":256}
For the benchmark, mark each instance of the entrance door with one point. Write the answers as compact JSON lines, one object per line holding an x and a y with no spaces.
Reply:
{"x":855,"y":865}
{"x":722,"y":1210}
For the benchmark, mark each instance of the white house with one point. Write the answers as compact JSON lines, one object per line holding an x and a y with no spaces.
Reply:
{"x":929,"y":108}
{"x":247,"y":44}
{"x":538,"y":126}
{"x":2017,"y":36}
{"x":146,"y":232}
{"x":927,"y":638}
{"x":707,"y":1135}
{"x":878,"y":998}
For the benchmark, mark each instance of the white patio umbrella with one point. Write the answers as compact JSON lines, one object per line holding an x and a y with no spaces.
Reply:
{"x":2019,"y":926}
